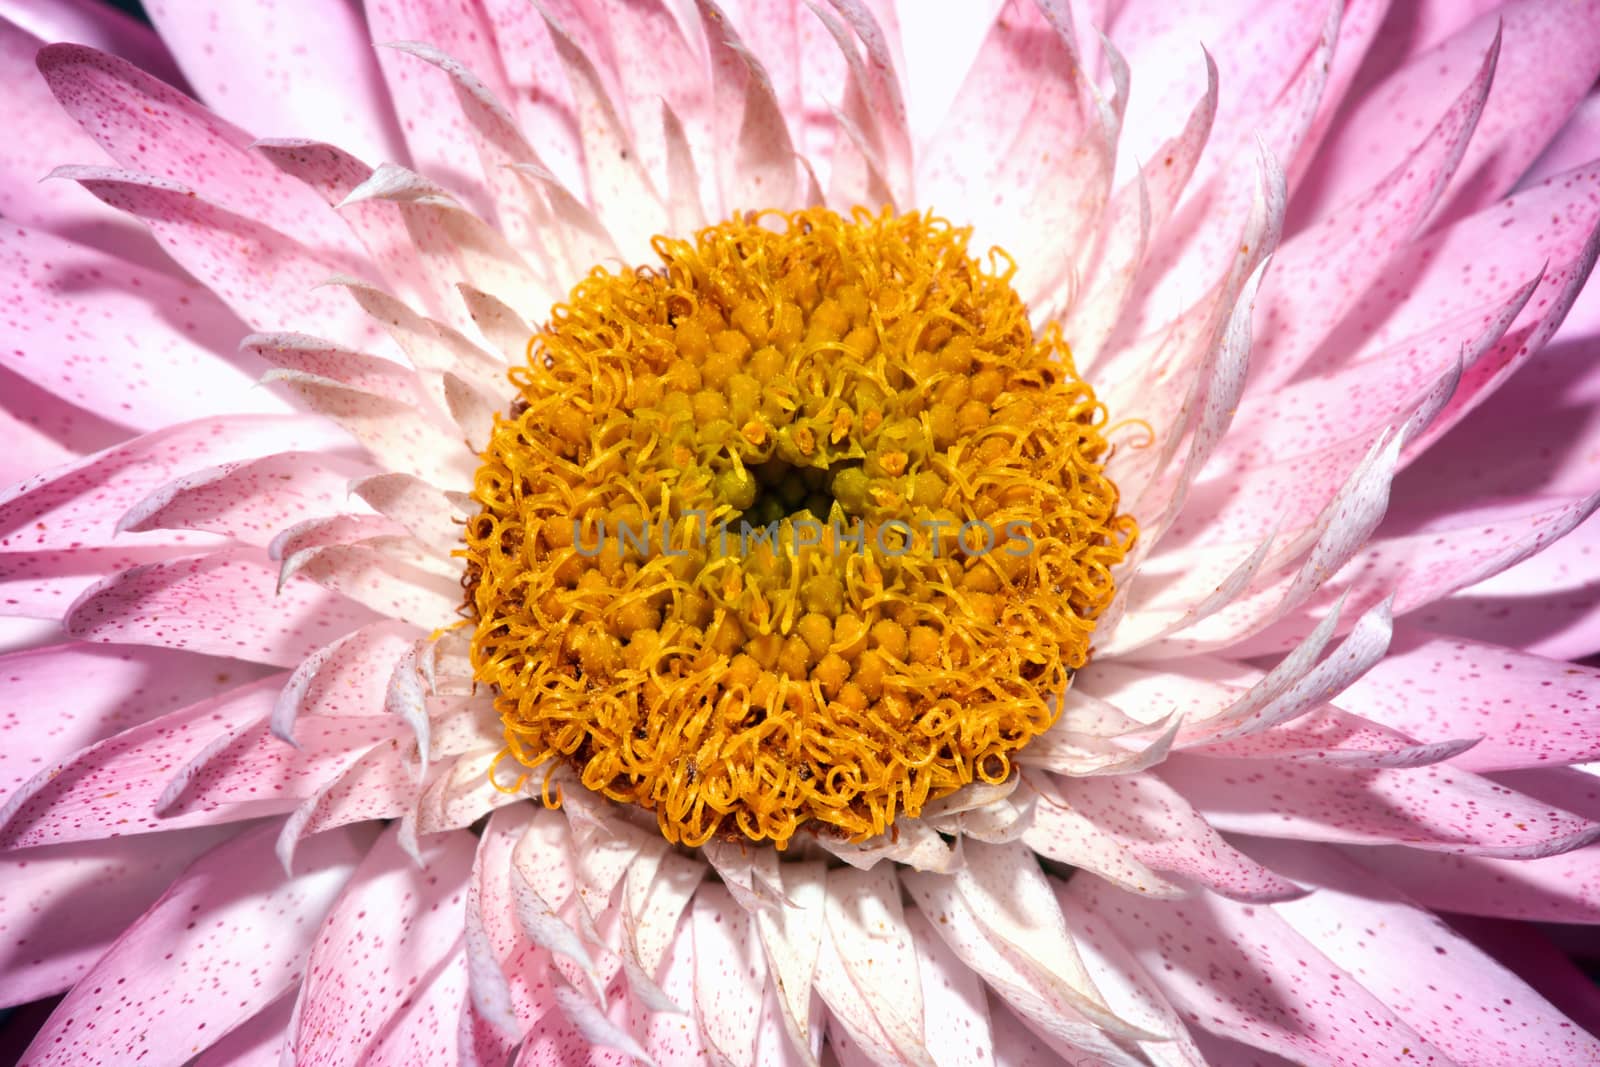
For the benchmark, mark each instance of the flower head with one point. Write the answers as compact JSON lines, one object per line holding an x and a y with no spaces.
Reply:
{"x":840,"y":676}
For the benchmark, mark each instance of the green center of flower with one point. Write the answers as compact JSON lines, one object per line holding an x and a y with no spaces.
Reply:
{"x":804,"y":525}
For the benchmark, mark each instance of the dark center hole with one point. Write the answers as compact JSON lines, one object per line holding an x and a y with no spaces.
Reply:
{"x":785,"y":491}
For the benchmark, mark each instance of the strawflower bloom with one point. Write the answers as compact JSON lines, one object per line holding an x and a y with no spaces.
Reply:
{"x":606,"y":530}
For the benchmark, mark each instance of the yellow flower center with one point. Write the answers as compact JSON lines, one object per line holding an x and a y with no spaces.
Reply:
{"x":804,"y":525}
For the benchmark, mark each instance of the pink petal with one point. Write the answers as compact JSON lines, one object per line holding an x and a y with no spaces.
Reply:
{"x":867,"y":972}
{"x":1550,"y":62}
{"x":148,"y":126}
{"x":1318,"y":274}
{"x":229,"y":937}
{"x":541,"y":98}
{"x":80,"y":504}
{"x":257,"y":1042}
{"x":1063,"y":833}
{"x":32,"y":448}
{"x":1025,"y":88}
{"x":392,"y":926}
{"x":116,"y":786}
{"x":1331,"y":736}
{"x":1560,"y":889}
{"x":1529,"y":710}
{"x":618,"y":184}
{"x":398,"y":435}
{"x":730,"y":972}
{"x":425,"y":511}
{"x":380,"y":783}
{"x":255,"y":64}
{"x":1163,"y":831}
{"x":98,"y":26}
{"x":1241,"y":969}
{"x":41,"y":955}
{"x":441,"y":146}
{"x":1128,"y":987}
{"x":1453,"y":993}
{"x":1420,"y":567}
{"x":427,"y":1027}
{"x":42,"y":135}
{"x":113,"y":689}
{"x":269,"y":279}
{"x":226,"y":603}
{"x":335,"y":174}
{"x":761,"y":169}
{"x":956,"y":1011}
{"x":999,"y":915}
{"x":1444,"y":277}
{"x":250,"y":500}
{"x":1434,"y":808}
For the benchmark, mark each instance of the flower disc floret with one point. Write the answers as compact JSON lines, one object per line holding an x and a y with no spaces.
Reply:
{"x":805,"y":525}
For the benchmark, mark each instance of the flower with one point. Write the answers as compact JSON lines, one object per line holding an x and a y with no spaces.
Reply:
{"x":272,"y":796}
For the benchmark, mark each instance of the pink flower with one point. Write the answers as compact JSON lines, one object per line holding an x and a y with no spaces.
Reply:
{"x":1333,"y":261}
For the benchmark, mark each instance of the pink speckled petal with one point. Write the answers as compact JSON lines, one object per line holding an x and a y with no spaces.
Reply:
{"x":955,"y":1008}
{"x":442,"y":145}
{"x":867,"y":971}
{"x":619,"y":186}
{"x":1444,"y":276}
{"x":1548,"y":605}
{"x":148,"y":126}
{"x":335,"y":174}
{"x":398,"y":435}
{"x":427,"y":512}
{"x":1453,"y":993}
{"x":256,"y":1042}
{"x":1317,"y":275}
{"x":42,"y":135}
{"x":540,"y":95}
{"x":393,"y":925}
{"x":1551,"y":59}
{"x":256,"y":64}
{"x":730,"y":972}
{"x":1026,"y":88}
{"x":250,"y":500}
{"x":1163,"y":831}
{"x":427,"y":1027}
{"x":98,"y":26}
{"x":792,"y":936}
{"x":381,"y":783}
{"x":1435,"y":808}
{"x":232,"y":915}
{"x":670,"y":1036}
{"x":1061,"y":832}
{"x":999,"y":915}
{"x":113,"y":689}
{"x":268,"y":279}
{"x":523,"y":985}
{"x":1573,"y":146}
{"x":253,"y":766}
{"x":1331,"y":736}
{"x":1530,"y":711}
{"x":455,"y":244}
{"x":761,"y":170}
{"x":100,"y":333}
{"x":523,"y":218}
{"x":226,"y":603}
{"x":1557,"y":889}
{"x":1241,"y":969}
{"x":80,"y":504}
{"x":1128,"y":987}
{"x":1422,"y":566}
{"x":40,"y":953}
{"x":656,"y":62}
{"x":115,"y":787}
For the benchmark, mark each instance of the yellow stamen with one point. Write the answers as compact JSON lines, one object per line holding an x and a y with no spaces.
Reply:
{"x":936,"y":528}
